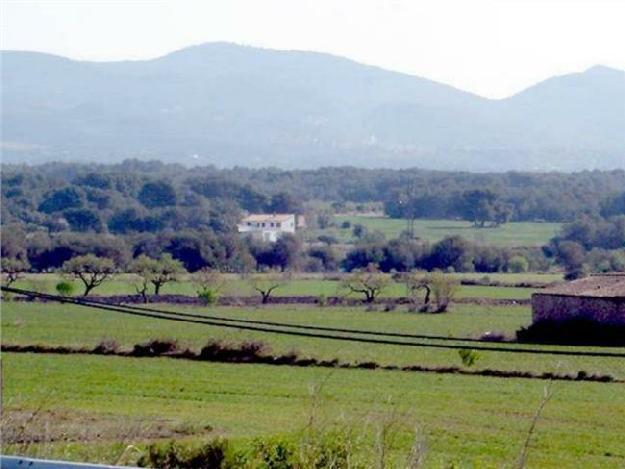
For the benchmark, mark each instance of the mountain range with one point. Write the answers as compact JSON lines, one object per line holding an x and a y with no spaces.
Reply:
{"x":225,"y":104}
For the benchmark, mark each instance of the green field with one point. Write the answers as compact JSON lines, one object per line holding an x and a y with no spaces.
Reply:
{"x":71,"y":325}
{"x":84,"y":407}
{"x":51,"y":324}
{"x":508,"y":235}
{"x":122,"y":284}
{"x":464,"y":421}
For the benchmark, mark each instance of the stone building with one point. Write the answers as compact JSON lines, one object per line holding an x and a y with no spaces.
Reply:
{"x":599,"y":298}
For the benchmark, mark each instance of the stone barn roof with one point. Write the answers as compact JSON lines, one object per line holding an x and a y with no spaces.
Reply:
{"x":610,"y":285}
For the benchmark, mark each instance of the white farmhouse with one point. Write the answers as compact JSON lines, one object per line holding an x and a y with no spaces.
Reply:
{"x":269,"y":227}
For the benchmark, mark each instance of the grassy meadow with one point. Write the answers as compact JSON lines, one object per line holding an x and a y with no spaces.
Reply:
{"x":519,"y":234}
{"x":71,"y":325}
{"x":108,"y":409}
{"x":463,"y":421}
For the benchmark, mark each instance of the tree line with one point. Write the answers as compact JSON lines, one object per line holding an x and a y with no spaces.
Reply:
{"x":140,"y":197}
{"x":196,"y":250}
{"x":592,"y":243}
{"x":55,"y":212}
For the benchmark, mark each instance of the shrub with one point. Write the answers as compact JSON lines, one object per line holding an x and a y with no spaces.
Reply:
{"x":106,"y":346}
{"x":328,"y":450}
{"x":311,"y":448}
{"x":468,"y":357}
{"x":208,"y":297}
{"x":246,"y":352}
{"x":574,"y":273}
{"x":444,"y":290}
{"x":212,"y":455}
{"x":484,"y":280}
{"x":322,"y":300}
{"x":274,"y":453}
{"x":156,"y":347}
{"x":518,"y":264}
{"x":209,"y":284}
{"x":65,"y":288}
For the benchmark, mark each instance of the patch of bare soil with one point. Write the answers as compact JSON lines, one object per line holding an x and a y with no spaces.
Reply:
{"x":26,"y":427}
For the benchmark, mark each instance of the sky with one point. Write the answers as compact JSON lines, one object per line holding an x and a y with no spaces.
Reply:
{"x":493,"y":48}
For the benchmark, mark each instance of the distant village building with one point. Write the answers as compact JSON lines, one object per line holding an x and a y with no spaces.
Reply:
{"x":269,"y":227}
{"x":599,"y":298}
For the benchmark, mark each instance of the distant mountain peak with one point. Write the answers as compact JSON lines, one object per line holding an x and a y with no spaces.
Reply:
{"x":251,"y":106}
{"x":603,"y":69}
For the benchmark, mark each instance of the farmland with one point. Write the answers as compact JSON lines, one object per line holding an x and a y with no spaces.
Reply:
{"x":79,"y":326}
{"x":150,"y":399}
{"x":582,"y":424}
{"x":526,"y":234}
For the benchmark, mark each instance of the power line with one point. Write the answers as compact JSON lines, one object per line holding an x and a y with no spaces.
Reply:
{"x":231,"y":323}
{"x":304,"y":326}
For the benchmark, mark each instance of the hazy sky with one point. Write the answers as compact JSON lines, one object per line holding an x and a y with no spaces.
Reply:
{"x":491,"y":47}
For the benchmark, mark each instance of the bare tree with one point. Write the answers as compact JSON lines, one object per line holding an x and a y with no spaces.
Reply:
{"x":437,"y":286}
{"x":370,"y":283}
{"x":144,"y":268}
{"x":265,"y":284}
{"x":416,"y":282}
{"x":167,"y":271}
{"x":157,"y":272}
{"x":91,"y":270}
{"x":12,"y":269}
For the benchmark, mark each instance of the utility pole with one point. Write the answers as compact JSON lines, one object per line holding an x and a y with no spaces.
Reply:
{"x":407,"y":203}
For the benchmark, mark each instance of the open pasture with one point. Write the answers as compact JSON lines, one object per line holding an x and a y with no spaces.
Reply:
{"x":86,"y":407}
{"x":519,"y":234}
{"x":77,"y":326}
{"x":463,"y":421}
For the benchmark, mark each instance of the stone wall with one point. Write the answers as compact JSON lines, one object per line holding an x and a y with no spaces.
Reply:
{"x":603,"y":310}
{"x":242,"y":301}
